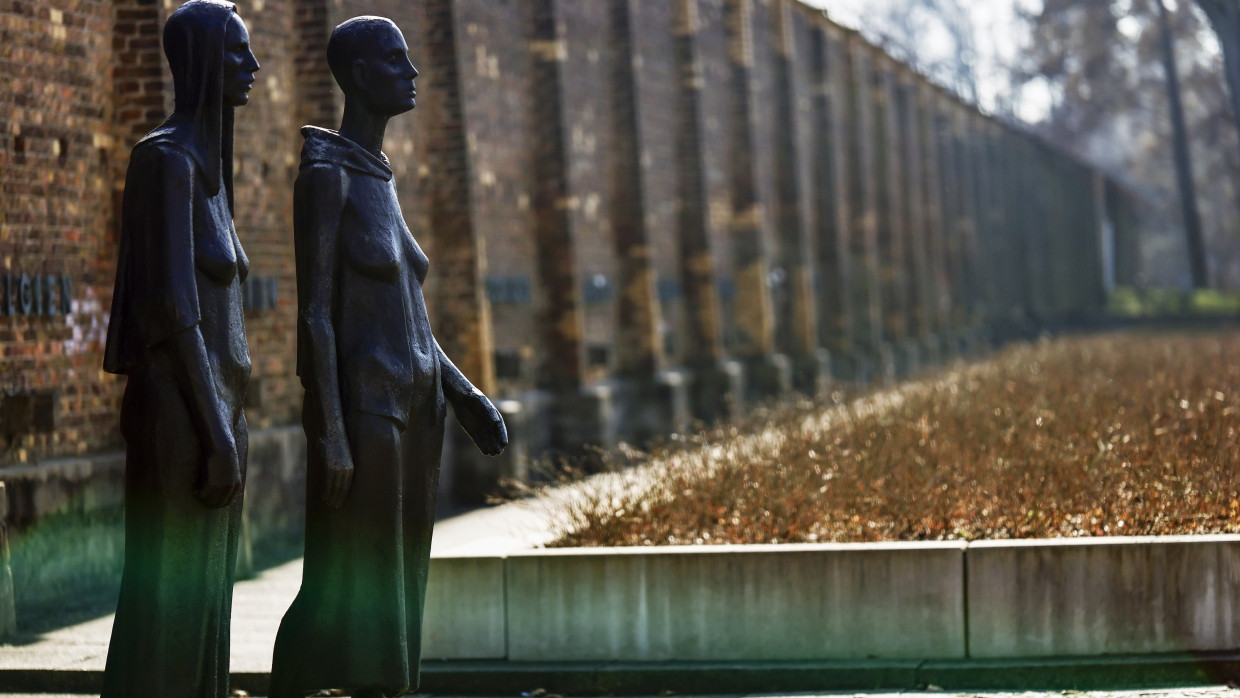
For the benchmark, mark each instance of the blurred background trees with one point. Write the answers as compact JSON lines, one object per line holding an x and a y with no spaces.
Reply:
{"x":1089,"y":75}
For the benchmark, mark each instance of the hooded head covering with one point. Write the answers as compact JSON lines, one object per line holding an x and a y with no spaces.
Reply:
{"x":194,"y":44}
{"x":202,"y":126}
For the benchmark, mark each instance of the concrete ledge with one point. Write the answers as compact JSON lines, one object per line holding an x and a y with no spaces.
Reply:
{"x":996,"y":614}
{"x":737,"y":603}
{"x":465,"y":609}
{"x":700,"y":678}
{"x":1093,"y":596}
{"x":69,"y":484}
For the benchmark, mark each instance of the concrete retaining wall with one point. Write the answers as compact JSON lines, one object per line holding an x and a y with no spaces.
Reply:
{"x":995,"y":599}
{"x":1073,"y":597}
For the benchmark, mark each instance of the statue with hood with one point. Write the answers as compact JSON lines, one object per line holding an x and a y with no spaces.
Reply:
{"x":177,"y":331}
{"x":376,"y":389}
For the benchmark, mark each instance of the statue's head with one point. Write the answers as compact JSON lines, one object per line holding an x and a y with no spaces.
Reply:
{"x":208,"y":50}
{"x":370,"y":61}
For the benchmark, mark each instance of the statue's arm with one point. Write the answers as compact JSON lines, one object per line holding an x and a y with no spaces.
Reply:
{"x":318,"y":200}
{"x":169,"y":243}
{"x":474,"y":411}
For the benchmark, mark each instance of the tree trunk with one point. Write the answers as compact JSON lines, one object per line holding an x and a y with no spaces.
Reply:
{"x":1183,"y":160}
{"x":1224,"y":16}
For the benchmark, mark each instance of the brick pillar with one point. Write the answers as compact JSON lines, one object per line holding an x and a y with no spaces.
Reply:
{"x":1057,"y":260}
{"x":889,"y":207}
{"x":1044,"y":237}
{"x":560,"y":317}
{"x":649,"y":402}
{"x":463,"y":321}
{"x":831,"y":197}
{"x":1021,"y":221}
{"x":990,"y":217}
{"x":972,"y":293}
{"x":638,"y":349}
{"x":766,"y":374}
{"x":936,"y":237}
{"x":1004,"y":242}
{"x":577,"y":416}
{"x":1027,"y":224}
{"x":950,"y":183}
{"x":796,"y":315}
{"x":871,"y":361}
{"x":919,"y":288}
{"x":1091,"y":296}
{"x":951,"y":194}
{"x":1123,"y":216}
{"x":715,"y":389}
{"x":319,"y":101}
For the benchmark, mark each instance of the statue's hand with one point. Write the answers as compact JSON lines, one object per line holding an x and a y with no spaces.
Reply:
{"x":482,"y":422}
{"x":338,"y":470}
{"x":220,"y":480}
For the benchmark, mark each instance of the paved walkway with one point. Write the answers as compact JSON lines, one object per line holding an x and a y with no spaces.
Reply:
{"x":260,"y":603}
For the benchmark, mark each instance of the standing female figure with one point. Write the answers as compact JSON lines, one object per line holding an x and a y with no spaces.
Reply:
{"x":377,"y":385}
{"x":177,"y":330}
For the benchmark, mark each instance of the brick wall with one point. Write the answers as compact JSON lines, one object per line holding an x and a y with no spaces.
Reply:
{"x":713,"y":51}
{"x":543,"y":128}
{"x":588,"y":85}
{"x":55,"y":219}
{"x":494,"y":65}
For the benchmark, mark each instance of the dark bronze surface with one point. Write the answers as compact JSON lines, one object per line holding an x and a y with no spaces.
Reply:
{"x":177,"y":330}
{"x":377,"y":386}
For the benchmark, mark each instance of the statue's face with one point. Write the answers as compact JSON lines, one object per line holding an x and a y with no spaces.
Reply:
{"x":385,"y":75}
{"x":239,"y":63}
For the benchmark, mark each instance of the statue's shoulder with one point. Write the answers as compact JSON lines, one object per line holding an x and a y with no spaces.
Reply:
{"x":169,"y":146}
{"x":160,"y":162}
{"x":325,"y":150}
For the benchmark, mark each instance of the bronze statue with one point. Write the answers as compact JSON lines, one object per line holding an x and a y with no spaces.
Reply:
{"x":177,"y":330}
{"x":375,"y":383}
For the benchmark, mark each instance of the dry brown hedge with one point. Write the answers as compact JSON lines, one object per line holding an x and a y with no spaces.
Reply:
{"x":1121,"y":434}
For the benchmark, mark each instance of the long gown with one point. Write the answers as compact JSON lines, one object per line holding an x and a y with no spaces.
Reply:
{"x":180,"y":270}
{"x":365,"y":340}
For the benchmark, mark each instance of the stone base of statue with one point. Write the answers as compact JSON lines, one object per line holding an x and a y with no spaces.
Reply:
{"x":716,"y":391}
{"x":767,"y":377}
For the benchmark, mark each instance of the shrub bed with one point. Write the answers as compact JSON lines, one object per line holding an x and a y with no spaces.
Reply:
{"x":1120,"y":434}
